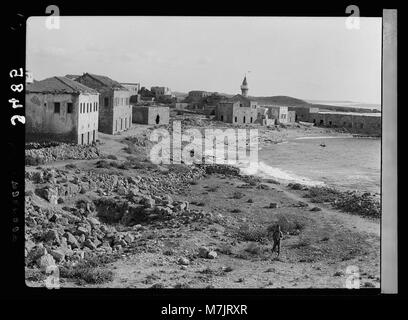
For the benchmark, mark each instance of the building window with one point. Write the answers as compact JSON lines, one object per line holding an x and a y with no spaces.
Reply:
{"x":106,"y":101}
{"x":222,"y":118}
{"x":57,"y":106}
{"x":243,"y":120}
{"x":97,"y":106}
{"x":69,"y":107}
{"x":236,"y":119}
{"x":251,"y":119}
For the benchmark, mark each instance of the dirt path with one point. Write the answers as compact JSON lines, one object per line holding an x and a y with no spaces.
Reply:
{"x":353,"y":222}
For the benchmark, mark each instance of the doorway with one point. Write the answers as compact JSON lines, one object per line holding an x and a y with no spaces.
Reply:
{"x":157,"y":119}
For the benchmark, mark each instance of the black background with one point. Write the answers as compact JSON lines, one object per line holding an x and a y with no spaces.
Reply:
{"x":12,"y":283}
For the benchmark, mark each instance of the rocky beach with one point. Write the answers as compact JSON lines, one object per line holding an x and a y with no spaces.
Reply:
{"x":105,"y":216}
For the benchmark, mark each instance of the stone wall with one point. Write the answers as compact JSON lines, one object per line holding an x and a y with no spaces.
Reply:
{"x":43,"y":122}
{"x":151,"y":115}
{"x":356,"y":123}
{"x":60,"y":152}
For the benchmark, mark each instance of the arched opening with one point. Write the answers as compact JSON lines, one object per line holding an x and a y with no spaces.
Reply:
{"x":157,"y":119}
{"x":321,"y":122}
{"x":330,"y":123}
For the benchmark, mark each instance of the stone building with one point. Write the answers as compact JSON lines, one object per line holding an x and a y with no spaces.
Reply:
{"x":197,"y":95}
{"x":239,"y":109}
{"x":115,"y":114}
{"x":134,"y":89}
{"x":61,"y":109}
{"x":181,"y":105}
{"x":291,"y":116}
{"x":303,"y":112}
{"x":280,"y":113}
{"x":364,"y":123}
{"x":151,"y":114}
{"x":161,"y":92}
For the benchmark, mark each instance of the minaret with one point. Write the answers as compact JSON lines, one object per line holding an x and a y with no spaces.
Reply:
{"x":244,"y":87}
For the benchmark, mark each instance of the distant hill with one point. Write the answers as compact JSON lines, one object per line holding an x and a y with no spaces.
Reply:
{"x":281,"y":100}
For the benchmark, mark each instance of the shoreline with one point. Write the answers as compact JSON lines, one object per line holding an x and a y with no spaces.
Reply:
{"x":180,"y":211}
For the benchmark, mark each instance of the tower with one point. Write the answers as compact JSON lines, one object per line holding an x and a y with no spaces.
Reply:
{"x":244,"y":87}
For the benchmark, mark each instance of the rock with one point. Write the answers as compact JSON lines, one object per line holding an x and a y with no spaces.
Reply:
{"x":93,"y":221}
{"x":82,"y":230}
{"x":72,"y":241}
{"x":78,"y":255}
{"x":52,"y":236}
{"x":203,"y":252}
{"x":212,"y":255}
{"x":147,"y":202}
{"x":315,"y":209}
{"x":81,"y":238}
{"x":137,"y":227}
{"x":36,"y":252}
{"x":49,"y":193}
{"x":29,"y":245}
{"x":129,"y":238}
{"x":183,"y":261}
{"x":90,"y":244}
{"x":273,"y":205}
{"x":57,"y":254}
{"x":45,"y":262}
{"x":250,"y":201}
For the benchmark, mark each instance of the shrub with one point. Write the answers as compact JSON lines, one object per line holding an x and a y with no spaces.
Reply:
{"x":238,"y":195}
{"x":256,"y":234}
{"x":90,"y":270}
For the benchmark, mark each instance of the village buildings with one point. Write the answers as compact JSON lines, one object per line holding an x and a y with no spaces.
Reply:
{"x":61,"y":109}
{"x":239,"y":109}
{"x":134,"y":89}
{"x":151,"y":115}
{"x":364,"y":123}
{"x":161,"y":92}
{"x":279,"y":113}
{"x":197,"y":95}
{"x":115,"y":114}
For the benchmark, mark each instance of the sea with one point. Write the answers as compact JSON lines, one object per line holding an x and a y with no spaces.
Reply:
{"x":343,"y":162}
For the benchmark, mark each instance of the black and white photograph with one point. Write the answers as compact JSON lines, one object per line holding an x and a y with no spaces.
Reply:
{"x":204,"y":152}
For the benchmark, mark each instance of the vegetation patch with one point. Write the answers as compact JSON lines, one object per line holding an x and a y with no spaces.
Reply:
{"x":91,"y":270}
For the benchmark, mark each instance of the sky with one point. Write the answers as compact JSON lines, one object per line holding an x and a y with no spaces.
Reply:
{"x":306,"y":58}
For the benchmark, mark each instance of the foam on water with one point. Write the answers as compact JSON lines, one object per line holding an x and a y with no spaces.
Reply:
{"x":263,"y":170}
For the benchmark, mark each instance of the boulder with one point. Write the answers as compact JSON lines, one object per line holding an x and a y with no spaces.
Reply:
{"x":45,"y":261}
{"x":52,"y":236}
{"x":203,"y":252}
{"x":212,"y":255}
{"x":58,"y":254}
{"x":90,"y":244}
{"x":36,"y":252}
{"x":273,"y":205}
{"x":71,"y":240}
{"x":183,"y":261}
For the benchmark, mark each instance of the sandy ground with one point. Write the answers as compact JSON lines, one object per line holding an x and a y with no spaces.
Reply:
{"x":318,"y":256}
